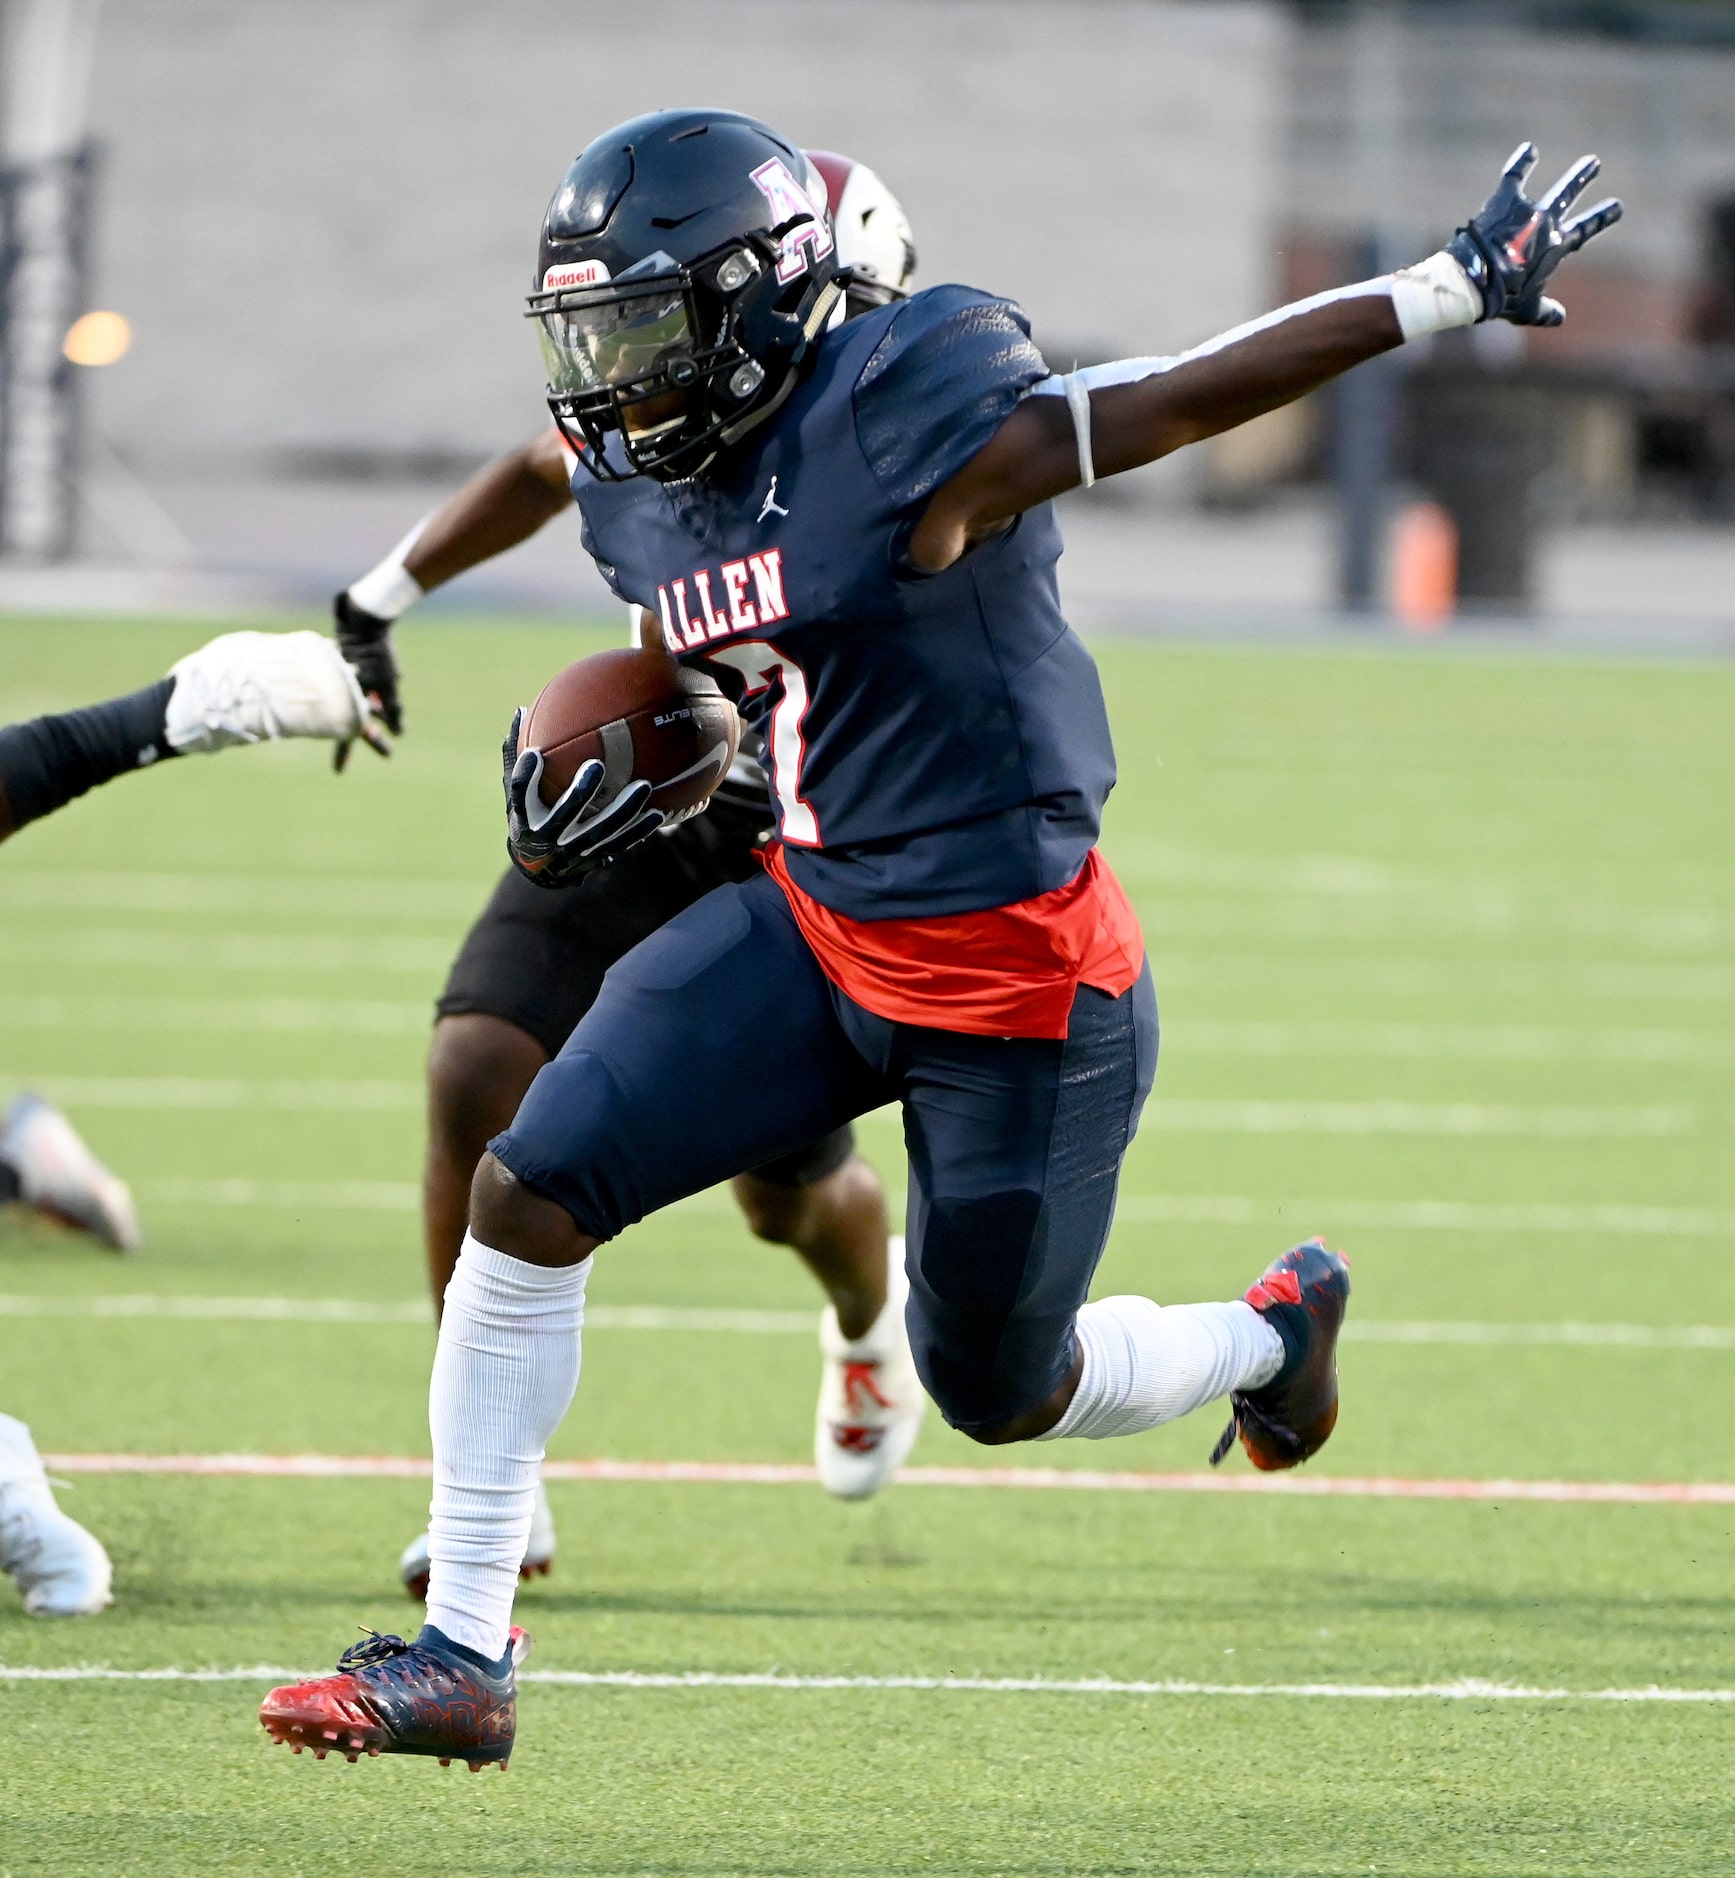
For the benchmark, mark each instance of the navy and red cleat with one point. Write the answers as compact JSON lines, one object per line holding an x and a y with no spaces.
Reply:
{"x":1303,"y":1297}
{"x":392,"y":1697}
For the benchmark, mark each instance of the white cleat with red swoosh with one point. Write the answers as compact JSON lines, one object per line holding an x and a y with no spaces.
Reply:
{"x":871,"y":1403}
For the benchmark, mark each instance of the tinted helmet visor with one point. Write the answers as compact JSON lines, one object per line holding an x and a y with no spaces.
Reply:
{"x":617,"y":340}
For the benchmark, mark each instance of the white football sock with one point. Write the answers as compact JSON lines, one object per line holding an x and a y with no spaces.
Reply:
{"x":1145,"y":1364}
{"x":504,"y":1374}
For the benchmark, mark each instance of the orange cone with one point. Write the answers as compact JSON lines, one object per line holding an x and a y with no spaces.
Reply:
{"x":1424,"y":567}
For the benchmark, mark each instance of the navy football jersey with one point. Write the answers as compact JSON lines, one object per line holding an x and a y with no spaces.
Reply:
{"x":937,"y":744}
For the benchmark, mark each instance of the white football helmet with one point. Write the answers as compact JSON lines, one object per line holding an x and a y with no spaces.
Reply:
{"x":873,"y":232}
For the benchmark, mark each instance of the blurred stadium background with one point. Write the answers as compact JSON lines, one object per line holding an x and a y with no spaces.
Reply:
{"x":315,"y":220}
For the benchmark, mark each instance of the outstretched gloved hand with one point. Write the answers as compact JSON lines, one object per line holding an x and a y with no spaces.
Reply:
{"x":1511,"y":245}
{"x":252,"y":687}
{"x":366,"y":644}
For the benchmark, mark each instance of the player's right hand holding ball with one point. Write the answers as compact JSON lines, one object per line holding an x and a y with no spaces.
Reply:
{"x":615,"y":747}
{"x":555,"y":846}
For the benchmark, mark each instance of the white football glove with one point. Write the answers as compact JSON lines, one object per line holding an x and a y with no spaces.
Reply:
{"x":252,"y":687}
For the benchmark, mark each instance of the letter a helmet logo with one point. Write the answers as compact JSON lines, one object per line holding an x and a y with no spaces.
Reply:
{"x":790,"y":202}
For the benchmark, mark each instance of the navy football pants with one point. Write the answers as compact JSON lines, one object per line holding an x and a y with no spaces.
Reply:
{"x":718,"y":1044}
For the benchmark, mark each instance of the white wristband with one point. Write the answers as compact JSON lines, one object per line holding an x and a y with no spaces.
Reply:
{"x":389,"y":588}
{"x":1434,"y":296}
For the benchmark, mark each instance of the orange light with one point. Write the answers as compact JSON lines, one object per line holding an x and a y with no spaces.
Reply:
{"x":97,"y":339}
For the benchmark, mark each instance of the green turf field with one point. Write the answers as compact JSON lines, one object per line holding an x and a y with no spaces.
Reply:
{"x":1442,"y":942}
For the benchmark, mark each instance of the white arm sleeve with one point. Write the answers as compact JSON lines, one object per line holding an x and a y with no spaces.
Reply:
{"x":388,"y":589}
{"x":1428,"y":298}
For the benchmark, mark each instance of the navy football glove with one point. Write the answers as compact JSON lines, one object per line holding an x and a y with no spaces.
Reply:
{"x":553,"y":847}
{"x":1511,"y":245}
{"x":366,"y":644}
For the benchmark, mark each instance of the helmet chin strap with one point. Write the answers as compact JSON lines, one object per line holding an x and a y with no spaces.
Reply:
{"x":824,"y":301}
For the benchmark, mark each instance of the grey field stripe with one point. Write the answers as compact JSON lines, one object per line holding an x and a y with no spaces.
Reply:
{"x":195,"y":951}
{"x":361,"y":1196}
{"x":1134,"y":1209}
{"x":407,"y":1311}
{"x":224,"y":1094}
{"x":654,"y":1317}
{"x":1186,"y":1036}
{"x":1207,"y":964}
{"x":404,"y":1017}
{"x":1222,"y":967}
{"x":367,"y":1196}
{"x":360,"y":895}
{"x":1480,"y":1043}
{"x":1195,"y":883}
{"x":1432,"y":1119}
{"x":1463,"y":1689}
{"x":1200,"y":1209}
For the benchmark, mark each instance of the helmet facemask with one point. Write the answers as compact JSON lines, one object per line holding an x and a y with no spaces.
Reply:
{"x":679,"y":359}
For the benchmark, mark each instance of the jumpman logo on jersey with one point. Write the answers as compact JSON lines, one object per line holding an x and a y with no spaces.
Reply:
{"x":772,"y":505}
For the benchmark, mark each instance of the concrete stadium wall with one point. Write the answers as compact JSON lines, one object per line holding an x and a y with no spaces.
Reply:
{"x":320,"y":214}
{"x":1401,"y":126}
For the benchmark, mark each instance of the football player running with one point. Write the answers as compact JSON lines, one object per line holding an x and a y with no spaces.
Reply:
{"x":934,"y":924}
{"x":534,"y":962}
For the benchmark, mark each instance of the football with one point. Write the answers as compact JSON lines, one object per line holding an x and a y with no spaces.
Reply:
{"x":644,"y":718}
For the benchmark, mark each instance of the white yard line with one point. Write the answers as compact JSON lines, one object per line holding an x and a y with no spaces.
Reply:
{"x":1012,"y":1479}
{"x":1463,"y":1689}
{"x":802,"y":1323}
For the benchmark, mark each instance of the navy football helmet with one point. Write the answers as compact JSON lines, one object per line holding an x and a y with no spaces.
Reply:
{"x":686,"y":267}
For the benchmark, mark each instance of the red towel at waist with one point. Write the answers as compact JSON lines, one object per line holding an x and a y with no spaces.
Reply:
{"x":1010,"y":971}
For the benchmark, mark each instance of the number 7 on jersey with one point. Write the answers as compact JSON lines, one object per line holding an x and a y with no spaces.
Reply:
{"x":763,"y":666}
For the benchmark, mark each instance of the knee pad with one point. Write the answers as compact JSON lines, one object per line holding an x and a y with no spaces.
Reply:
{"x":985,"y":1349}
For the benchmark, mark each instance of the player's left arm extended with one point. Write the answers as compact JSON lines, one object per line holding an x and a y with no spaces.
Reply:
{"x":1110,"y":418}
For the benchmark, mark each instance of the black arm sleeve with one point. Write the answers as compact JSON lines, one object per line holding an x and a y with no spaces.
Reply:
{"x":45,"y":763}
